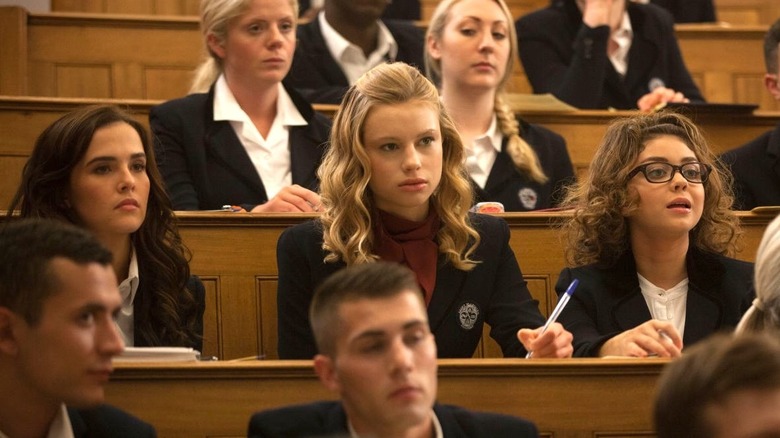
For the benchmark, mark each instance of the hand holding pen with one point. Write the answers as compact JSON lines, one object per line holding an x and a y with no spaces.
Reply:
{"x":558,"y":336}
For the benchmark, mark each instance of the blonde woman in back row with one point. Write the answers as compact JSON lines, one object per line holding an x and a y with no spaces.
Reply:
{"x":470,"y":51}
{"x":242,"y":138}
{"x":764,"y":313}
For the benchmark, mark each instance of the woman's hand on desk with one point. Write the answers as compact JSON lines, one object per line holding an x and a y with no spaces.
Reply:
{"x":553,"y":343}
{"x":654,"y":337}
{"x":658,"y":97}
{"x":291,"y":199}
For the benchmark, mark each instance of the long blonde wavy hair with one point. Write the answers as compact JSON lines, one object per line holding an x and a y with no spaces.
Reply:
{"x":215,"y":18}
{"x":598,"y":230}
{"x":523,"y":156}
{"x":346,"y":171}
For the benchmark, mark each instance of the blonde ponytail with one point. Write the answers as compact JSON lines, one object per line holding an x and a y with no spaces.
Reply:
{"x":523,"y":156}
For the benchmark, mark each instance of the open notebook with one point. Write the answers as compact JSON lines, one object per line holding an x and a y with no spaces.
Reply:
{"x":158,"y":354}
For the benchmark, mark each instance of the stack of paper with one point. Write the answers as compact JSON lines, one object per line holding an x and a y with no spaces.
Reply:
{"x":158,"y":354}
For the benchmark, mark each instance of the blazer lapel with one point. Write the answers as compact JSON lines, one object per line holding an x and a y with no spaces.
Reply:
{"x":643,"y":54}
{"x":223,"y":146}
{"x":502,"y":171}
{"x":631,"y":310}
{"x":702,"y":316}
{"x":321,"y":57}
{"x":77,"y":423}
{"x":449,"y":283}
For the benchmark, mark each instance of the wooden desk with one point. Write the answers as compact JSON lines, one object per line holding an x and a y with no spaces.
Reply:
{"x":235,"y":255}
{"x":565,"y":398}
{"x":23,"y":118}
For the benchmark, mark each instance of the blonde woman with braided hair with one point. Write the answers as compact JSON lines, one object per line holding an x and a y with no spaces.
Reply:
{"x":394,"y":189}
{"x":764,"y":313}
{"x":470,"y":51}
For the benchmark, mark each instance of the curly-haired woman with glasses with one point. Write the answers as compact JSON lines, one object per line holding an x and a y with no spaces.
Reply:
{"x":649,"y":239}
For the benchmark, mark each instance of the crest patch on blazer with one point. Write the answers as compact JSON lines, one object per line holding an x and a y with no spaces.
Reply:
{"x":468,"y":314}
{"x":528,"y":197}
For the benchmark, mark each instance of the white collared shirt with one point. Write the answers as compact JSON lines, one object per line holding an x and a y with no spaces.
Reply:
{"x":270,"y":156}
{"x":666,"y":304}
{"x":60,"y":426}
{"x":437,"y":431}
{"x":350,"y":57}
{"x":482,"y":153}
{"x":128,"y":288}
{"x":622,"y":36}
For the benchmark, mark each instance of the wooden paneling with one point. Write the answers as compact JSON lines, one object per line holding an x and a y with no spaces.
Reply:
{"x":239,"y":252}
{"x":572,"y":398}
{"x":152,"y":57}
{"x":13,"y":50}
{"x":748,"y":11}
{"x":146,"y":7}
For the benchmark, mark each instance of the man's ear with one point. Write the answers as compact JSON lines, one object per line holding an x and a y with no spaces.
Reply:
{"x":215,"y":46}
{"x":771,"y":84}
{"x":8,"y":322}
{"x":325,"y":368}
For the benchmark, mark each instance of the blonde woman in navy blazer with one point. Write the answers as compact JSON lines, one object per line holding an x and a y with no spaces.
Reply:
{"x":649,"y":239}
{"x":394,"y":188}
{"x":207,"y":163}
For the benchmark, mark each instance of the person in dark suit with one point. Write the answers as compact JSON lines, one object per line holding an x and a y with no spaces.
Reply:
{"x":756,"y":165}
{"x":58,"y":301}
{"x":242,"y":138}
{"x":725,"y":387}
{"x":382,"y":364}
{"x":648,"y":241}
{"x":599,"y":54}
{"x":394,"y":188}
{"x":470,"y":51}
{"x":344,"y":41}
{"x":95,"y":167}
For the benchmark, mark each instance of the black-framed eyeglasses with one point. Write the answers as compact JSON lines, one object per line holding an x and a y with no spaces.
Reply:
{"x":658,"y":172}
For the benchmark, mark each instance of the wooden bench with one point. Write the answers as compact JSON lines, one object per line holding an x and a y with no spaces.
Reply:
{"x":235,"y":256}
{"x":152,"y":57}
{"x":570,"y":398}
{"x":730,"y":11}
{"x":23,"y":118}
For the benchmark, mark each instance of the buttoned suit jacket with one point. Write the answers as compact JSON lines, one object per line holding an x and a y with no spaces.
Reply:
{"x":320,"y":79}
{"x":495,"y":287}
{"x":608,"y":299}
{"x":510,"y":187}
{"x":205,"y":166}
{"x":756,"y":170}
{"x":563,"y":56}
{"x":328,"y":419}
{"x":106,"y":421}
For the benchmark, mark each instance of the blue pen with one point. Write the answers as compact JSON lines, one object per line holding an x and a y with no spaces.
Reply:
{"x":558,"y":309}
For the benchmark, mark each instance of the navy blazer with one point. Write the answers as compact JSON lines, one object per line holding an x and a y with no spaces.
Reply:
{"x":319,"y":78}
{"x":608,"y":300}
{"x":563,"y":56}
{"x":144,"y":298}
{"x":106,"y":421}
{"x":756,"y":170}
{"x":328,"y":419}
{"x":517,"y":192}
{"x":204,"y":164}
{"x":494,"y":290}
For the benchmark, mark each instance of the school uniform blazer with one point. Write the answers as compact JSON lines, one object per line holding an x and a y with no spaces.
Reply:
{"x":689,"y":11}
{"x":317,"y":75}
{"x":494,"y":292}
{"x":108,"y":422}
{"x":517,"y":192}
{"x":563,"y":56}
{"x":608,"y":300}
{"x":328,"y":419}
{"x":756,"y":170}
{"x":204,"y":164}
{"x":144,"y":298}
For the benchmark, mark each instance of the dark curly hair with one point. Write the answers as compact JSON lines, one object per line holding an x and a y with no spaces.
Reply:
{"x":162,"y":257}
